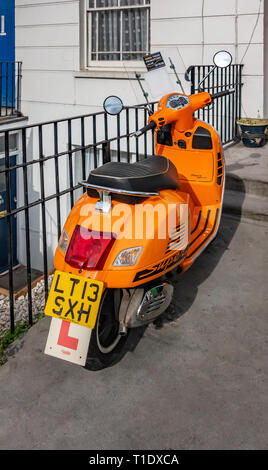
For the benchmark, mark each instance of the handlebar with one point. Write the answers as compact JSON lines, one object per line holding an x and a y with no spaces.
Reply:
{"x":196,"y":104}
{"x":222,"y":93}
{"x":151,"y":125}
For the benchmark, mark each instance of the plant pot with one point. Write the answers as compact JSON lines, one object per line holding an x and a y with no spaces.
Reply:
{"x":253,"y":132}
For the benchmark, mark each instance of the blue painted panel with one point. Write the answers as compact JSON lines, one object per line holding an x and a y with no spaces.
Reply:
{"x":7,"y":30}
{"x":7,"y":51}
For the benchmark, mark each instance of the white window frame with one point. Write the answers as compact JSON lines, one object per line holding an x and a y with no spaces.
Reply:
{"x":85,"y":43}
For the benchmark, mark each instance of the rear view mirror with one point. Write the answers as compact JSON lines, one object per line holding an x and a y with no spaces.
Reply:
{"x":222,"y":59}
{"x":113,"y":105}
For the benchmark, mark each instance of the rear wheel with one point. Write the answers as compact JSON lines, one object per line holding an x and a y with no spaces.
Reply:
{"x":106,"y":346}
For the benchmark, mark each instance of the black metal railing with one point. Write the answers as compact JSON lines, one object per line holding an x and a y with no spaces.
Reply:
{"x":225,"y":111}
{"x":52,"y":158}
{"x":10,"y":89}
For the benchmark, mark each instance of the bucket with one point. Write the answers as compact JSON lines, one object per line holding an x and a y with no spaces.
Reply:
{"x":253,"y":134}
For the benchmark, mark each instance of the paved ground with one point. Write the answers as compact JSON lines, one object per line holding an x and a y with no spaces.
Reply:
{"x":246,"y":182}
{"x":247,"y":163}
{"x":199,"y":382}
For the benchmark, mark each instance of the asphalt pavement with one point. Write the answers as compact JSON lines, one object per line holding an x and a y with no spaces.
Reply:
{"x":200,"y":382}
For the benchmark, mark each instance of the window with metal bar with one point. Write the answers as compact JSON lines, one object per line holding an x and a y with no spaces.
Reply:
{"x":118,"y":30}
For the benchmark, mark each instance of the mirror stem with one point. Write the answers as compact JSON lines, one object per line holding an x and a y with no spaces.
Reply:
{"x":203,"y":79}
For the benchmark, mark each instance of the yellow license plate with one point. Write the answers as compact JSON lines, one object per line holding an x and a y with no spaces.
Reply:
{"x":74,"y":298}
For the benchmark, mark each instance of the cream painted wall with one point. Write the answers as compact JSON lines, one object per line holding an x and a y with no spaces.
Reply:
{"x":191,"y":31}
{"x":47,"y":42}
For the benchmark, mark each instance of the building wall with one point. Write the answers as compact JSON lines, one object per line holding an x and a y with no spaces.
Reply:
{"x":48,"y":43}
{"x":189,"y":31}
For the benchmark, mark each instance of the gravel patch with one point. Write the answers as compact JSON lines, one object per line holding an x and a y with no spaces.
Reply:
{"x":21,"y":305}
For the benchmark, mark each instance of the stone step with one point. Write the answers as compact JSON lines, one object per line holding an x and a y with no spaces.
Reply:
{"x":245,"y":205}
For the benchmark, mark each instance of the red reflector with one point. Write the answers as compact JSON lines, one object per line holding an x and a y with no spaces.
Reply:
{"x":88,"y":249}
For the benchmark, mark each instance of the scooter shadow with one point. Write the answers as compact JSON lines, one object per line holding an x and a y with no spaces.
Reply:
{"x":186,"y":285}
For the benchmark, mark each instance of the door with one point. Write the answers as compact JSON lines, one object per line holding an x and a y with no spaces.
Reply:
{"x":3,"y":221}
{"x":7,"y":52}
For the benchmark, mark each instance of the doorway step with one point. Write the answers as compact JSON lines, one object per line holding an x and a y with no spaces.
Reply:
{"x":19,"y":281}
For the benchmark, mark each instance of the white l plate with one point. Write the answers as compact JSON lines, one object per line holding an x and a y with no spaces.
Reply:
{"x":68,"y":341}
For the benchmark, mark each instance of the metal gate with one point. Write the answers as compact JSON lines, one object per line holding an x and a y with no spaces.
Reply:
{"x":224,"y":111}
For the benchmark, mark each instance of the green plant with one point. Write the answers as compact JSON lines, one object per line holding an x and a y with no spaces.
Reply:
{"x":252,"y":121}
{"x":39,"y":317}
{"x":7,"y":338}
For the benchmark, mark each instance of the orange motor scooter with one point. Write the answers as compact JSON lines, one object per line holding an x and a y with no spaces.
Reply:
{"x":135,"y":225}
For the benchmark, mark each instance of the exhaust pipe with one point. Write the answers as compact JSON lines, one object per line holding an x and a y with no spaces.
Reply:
{"x":145,"y":306}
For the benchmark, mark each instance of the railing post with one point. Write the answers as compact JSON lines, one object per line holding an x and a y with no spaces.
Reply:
{"x":240,"y":91}
{"x":70,"y":162}
{"x":106,"y":152}
{"x":127,"y":131}
{"x":83,"y":152}
{"x":27,"y":227}
{"x":9,"y":230}
{"x":43,"y":207}
{"x":7,"y":70}
{"x":19,"y":89}
{"x":13,"y":79}
{"x":57,"y":179}
{"x":192,"y":76}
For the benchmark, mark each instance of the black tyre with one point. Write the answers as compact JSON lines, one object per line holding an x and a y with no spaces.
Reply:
{"x":106,"y":346}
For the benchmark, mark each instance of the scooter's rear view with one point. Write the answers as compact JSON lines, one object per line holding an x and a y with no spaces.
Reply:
{"x":134,"y":226}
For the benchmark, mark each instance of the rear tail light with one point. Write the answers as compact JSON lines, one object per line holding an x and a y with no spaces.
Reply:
{"x":88,"y":249}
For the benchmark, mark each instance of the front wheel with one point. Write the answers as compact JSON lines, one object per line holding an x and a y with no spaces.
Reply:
{"x":106,"y":346}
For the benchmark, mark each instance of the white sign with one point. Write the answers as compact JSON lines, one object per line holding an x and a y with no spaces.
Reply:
{"x":68,"y":341}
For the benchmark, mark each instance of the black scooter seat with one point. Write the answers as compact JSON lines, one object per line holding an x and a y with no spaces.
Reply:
{"x":147,"y":176}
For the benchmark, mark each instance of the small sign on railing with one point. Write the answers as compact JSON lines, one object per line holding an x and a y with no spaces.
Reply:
{"x":154,"y":61}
